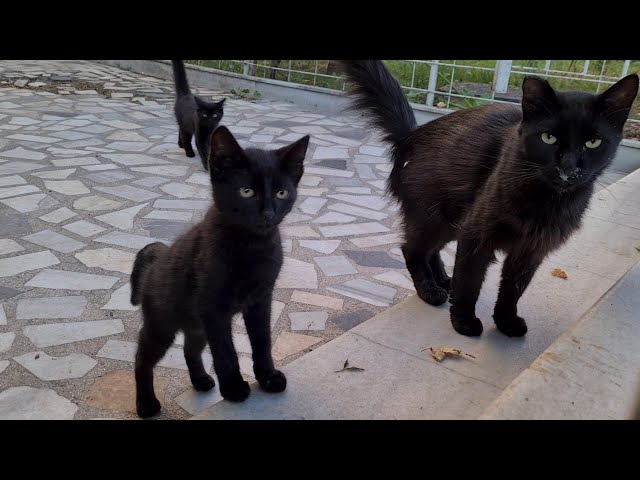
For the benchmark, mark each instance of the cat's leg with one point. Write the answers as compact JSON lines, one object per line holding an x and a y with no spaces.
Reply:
{"x":225,"y":359}
{"x":471,"y":266}
{"x":415,"y":256}
{"x":194,"y":343}
{"x":184,"y":141}
{"x":153,"y":343}
{"x":440,"y":275}
{"x":257,"y":319}
{"x":517,"y":272}
{"x":202,"y":144}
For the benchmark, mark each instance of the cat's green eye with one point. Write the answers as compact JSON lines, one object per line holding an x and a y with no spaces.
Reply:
{"x":593,"y":143}
{"x":282,"y":194}
{"x":246,"y":192}
{"x":548,"y":138}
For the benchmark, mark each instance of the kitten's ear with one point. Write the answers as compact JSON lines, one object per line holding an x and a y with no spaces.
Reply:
{"x":538,"y":98}
{"x":225,"y":150}
{"x":292,"y":157}
{"x":220,"y":104}
{"x":615,"y":103}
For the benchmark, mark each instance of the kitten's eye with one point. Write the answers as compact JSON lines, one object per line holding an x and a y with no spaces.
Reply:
{"x":282,"y":194}
{"x":246,"y":192}
{"x":214,"y":115}
{"x":593,"y":143}
{"x":548,"y":138}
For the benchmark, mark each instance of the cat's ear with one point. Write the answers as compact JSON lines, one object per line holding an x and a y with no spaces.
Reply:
{"x":292,"y":157}
{"x":225,"y":150}
{"x":220,"y":104}
{"x":538,"y":98}
{"x":615,"y":103}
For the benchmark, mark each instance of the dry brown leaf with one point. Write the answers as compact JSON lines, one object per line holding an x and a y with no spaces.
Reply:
{"x":556,"y":272}
{"x":638,"y":248}
{"x":347,"y":368}
{"x":440,"y":352}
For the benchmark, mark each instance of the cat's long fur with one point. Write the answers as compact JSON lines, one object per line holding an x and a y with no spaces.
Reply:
{"x":226,"y":264}
{"x":485,"y":177}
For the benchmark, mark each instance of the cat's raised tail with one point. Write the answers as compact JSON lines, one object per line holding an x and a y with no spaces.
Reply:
{"x":378,"y":94}
{"x":144,"y":258}
{"x":180,"y":78}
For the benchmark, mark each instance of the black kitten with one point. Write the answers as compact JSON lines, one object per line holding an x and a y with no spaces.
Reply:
{"x":226,"y":264}
{"x":497,"y":177}
{"x":194,"y":115}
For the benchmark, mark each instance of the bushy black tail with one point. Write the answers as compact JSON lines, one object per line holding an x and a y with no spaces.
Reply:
{"x":180,"y":78}
{"x":378,"y":94}
{"x":144,"y":258}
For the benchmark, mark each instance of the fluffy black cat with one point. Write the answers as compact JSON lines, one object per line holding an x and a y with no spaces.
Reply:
{"x":226,"y":264}
{"x":497,"y":177}
{"x":195,"y":116}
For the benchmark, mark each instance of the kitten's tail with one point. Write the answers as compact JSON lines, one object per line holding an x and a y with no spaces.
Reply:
{"x":180,"y":78}
{"x":376,"y":92}
{"x":144,"y":258}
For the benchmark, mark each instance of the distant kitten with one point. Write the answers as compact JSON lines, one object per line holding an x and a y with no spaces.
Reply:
{"x":195,"y":116}
{"x":226,"y":264}
{"x":497,"y":177}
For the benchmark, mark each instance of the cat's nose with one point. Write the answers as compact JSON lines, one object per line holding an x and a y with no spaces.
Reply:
{"x":268,"y":215}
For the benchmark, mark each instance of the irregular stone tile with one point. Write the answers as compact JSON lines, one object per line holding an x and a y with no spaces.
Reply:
{"x":186,"y":191}
{"x":59,"y":215}
{"x":62,"y":333}
{"x":396,"y":278}
{"x":381,"y":184}
{"x":67,"y":187}
{"x":8,"y":292}
{"x":120,"y":300}
{"x":366,"y":159}
{"x":312,"y":192}
{"x":374,"y":241}
{"x":9,"y":246}
{"x":299,"y":231}
{"x":322,"y":246}
{"x":125,"y":240}
{"x":108,"y":259}
{"x":23,"y":263}
{"x":14,"y":224}
{"x":130,"y":193}
{"x":3,"y":316}
{"x":109,"y":176}
{"x":242,"y":343}
{"x":28,"y":403}
{"x":346,"y":321}
{"x":334,"y":217}
{"x":330,"y":152}
{"x":276,"y":310}
{"x":54,"y":174}
{"x":74,"y":365}
{"x":65,"y":280}
{"x":74,"y":162}
{"x":128,"y":135}
{"x":126,"y":352}
{"x":71,"y":135}
{"x":12,"y":180}
{"x":287,"y":245}
{"x":130,"y":146}
{"x":34,"y":138}
{"x":169,"y":215}
{"x":95,"y":203}
{"x":356,"y":190}
{"x":101,"y":167}
{"x":195,"y":402}
{"x":134,"y":159}
{"x":122,"y":125}
{"x":358,"y":211}
{"x":95,"y":129}
{"x":329,"y":172}
{"x":339,"y":140}
{"x":165,"y":229}
{"x":316,"y":300}
{"x":352,"y":229}
{"x":167,"y":171}
{"x":150,"y":182}
{"x":365,"y":172}
{"x":55,"y":241}
{"x":29,"y":203}
{"x":117,"y":391}
{"x":295,"y":217}
{"x":182,"y":204}
{"x":335,"y":265}
{"x":289,"y":343}
{"x":308,"y":320}
{"x":6,"y":341}
{"x":14,"y":167}
{"x":23,"y":154}
{"x":373,"y":259}
{"x":297,"y":274}
{"x":50,"y":307}
{"x":366,"y":291}
{"x":310,"y":180}
{"x":312,"y":205}
{"x":3,"y":365}
{"x":397,"y":251}
{"x":84,"y":228}
{"x":122,"y":219}
{"x":17,"y":190}
{"x":369,"y":201}
{"x":385,"y":167}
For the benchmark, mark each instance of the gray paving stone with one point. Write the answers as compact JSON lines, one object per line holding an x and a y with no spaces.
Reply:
{"x":84,"y":228}
{"x":365,"y":172}
{"x":101,"y":167}
{"x":125,"y":240}
{"x":324,"y":301}
{"x":373,"y":259}
{"x":110,"y":176}
{"x":334,"y":217}
{"x":134,"y":159}
{"x":352,"y":229}
{"x":289,"y":343}
{"x":17,"y":190}
{"x":55,"y":174}
{"x":322,"y":153}
{"x":95,"y":203}
{"x":29,"y":203}
{"x":150,"y":182}
{"x":167,"y":229}
{"x":373,"y":202}
{"x":29,"y":403}
{"x":322,"y":246}
{"x":295,"y":217}
{"x":348,"y":320}
{"x":3,"y":316}
{"x":14,"y":224}
{"x":376,"y":240}
{"x":8,"y":292}
{"x":51,"y":307}
{"x":74,"y":365}
{"x":3,"y":365}
{"x":297,"y":274}
{"x":122,"y":219}
{"x":330,"y":172}
{"x":120,"y":299}
{"x":66,"y":280}
{"x":125,"y":351}
{"x":312,"y":205}
{"x":130,"y":146}
{"x":62,"y":333}
{"x":108,"y":259}
{"x":6,"y":341}
{"x":130,"y":193}
{"x":308,"y":320}
{"x":9,"y":246}
{"x":55,"y":241}
{"x":180,"y":190}
{"x":182,"y":204}
{"x":366,"y":291}
{"x":12,"y":180}
{"x":336,"y":265}
{"x":74,"y":162}
{"x":169,"y":215}
{"x":396,"y":278}
{"x":333,"y":163}
{"x":23,"y":263}
{"x":67,"y":187}
{"x":23,"y":154}
{"x":298,"y":231}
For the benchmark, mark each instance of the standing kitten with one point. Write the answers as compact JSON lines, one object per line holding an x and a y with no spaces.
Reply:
{"x":497,"y":177}
{"x":226,"y":264}
{"x":194,"y":115}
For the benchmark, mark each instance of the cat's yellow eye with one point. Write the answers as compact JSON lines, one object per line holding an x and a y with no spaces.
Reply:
{"x":246,"y":192}
{"x":593,"y":143}
{"x":548,"y":138}
{"x":282,"y":194}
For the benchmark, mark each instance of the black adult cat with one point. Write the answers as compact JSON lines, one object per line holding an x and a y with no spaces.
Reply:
{"x":226,"y":264}
{"x":195,"y":116}
{"x":497,"y":177}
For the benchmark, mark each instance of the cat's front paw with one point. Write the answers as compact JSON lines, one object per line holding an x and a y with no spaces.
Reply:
{"x":235,"y":390}
{"x":190,"y":154}
{"x":467,"y":325}
{"x":147,"y":408}
{"x":274,"y":382}
{"x":510,"y":325}
{"x":203,"y":383}
{"x":433,"y":295}
{"x":444,"y":282}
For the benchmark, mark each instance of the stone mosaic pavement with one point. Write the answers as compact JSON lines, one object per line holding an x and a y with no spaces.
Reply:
{"x":90,"y":172}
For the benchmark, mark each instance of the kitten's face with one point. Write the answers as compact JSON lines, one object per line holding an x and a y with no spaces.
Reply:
{"x":210,"y":114}
{"x":255,"y":188}
{"x":571,"y":137}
